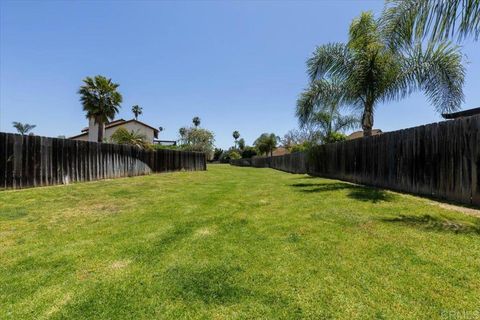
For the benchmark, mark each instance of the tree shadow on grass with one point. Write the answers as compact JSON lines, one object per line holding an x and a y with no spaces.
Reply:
{"x":360,"y":193}
{"x":220,"y":285}
{"x":12,"y":214}
{"x":431,"y":223}
{"x":370,"y":194}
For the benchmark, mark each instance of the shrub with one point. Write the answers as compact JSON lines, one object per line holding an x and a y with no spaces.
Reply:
{"x":335,"y":137}
{"x":162,"y":147}
{"x":217,"y":153}
{"x":229,"y":155}
{"x":249,"y":152}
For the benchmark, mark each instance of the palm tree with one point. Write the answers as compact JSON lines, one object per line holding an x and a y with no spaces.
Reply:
{"x":407,"y":20}
{"x":373,"y":72}
{"x":319,"y":107}
{"x":196,"y":121}
{"x":22,"y":128}
{"x":241,"y":144}
{"x":137,"y":110}
{"x":134,"y":138}
{"x":236,"y":135}
{"x":182,"y":132}
{"x":100,"y":100}
{"x":266,"y":143}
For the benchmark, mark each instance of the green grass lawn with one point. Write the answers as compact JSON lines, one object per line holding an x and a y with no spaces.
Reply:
{"x":234,"y":243}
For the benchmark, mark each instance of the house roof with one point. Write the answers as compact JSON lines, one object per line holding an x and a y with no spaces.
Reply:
{"x":78,"y":135}
{"x":117,"y":123}
{"x":359,"y":134}
{"x":110,"y":124}
{"x":280,"y":151}
{"x":461,"y":114}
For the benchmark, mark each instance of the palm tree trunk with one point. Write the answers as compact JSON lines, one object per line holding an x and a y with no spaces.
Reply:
{"x":367,"y":119}
{"x":101,"y":126}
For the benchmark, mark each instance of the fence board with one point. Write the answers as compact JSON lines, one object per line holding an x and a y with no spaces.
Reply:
{"x":3,"y":159}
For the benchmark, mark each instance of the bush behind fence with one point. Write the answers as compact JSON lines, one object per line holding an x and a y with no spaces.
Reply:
{"x":32,"y":161}
{"x":440,"y":160}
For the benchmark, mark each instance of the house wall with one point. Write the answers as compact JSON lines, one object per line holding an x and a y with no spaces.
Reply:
{"x":131,"y":126}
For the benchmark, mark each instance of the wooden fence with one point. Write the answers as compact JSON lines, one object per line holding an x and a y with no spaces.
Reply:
{"x":292,"y":163}
{"x":32,"y":161}
{"x":441,"y":160}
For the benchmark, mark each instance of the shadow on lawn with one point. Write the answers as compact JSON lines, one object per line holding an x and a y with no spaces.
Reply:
{"x":221,"y":285}
{"x":428,"y":222}
{"x":359,"y":193}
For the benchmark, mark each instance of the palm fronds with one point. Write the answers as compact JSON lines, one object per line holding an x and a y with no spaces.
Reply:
{"x":134,"y":138}
{"x":407,"y":20}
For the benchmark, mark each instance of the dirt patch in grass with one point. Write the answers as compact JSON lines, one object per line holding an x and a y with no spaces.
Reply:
{"x":469,"y":211}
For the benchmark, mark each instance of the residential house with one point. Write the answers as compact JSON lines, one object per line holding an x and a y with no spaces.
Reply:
{"x":91,"y":133}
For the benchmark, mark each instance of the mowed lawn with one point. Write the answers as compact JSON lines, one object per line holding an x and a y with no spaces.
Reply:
{"x":233,"y":243}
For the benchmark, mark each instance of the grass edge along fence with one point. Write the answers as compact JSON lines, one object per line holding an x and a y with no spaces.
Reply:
{"x":440,"y":160}
{"x":33,"y":161}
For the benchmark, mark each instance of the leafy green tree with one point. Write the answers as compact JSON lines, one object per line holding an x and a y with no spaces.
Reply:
{"x":413,"y":20}
{"x":374,"y":72}
{"x":241,"y":144}
{"x":266,"y":143}
{"x":101,"y":100}
{"x":307,"y":135}
{"x":236,"y":135}
{"x":198,"y":139}
{"x":137,"y":110}
{"x":249,"y":152}
{"x":134,"y":138}
{"x":196,"y":121}
{"x":301,"y":147}
{"x":228,"y":155}
{"x":335,"y":137}
{"x":23,"y":128}
{"x":217,"y":153}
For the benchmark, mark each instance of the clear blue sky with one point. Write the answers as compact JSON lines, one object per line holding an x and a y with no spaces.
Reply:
{"x":237,"y":65}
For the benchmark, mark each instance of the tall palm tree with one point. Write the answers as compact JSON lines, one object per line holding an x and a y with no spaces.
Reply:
{"x":407,"y":20}
{"x":236,"y":135}
{"x":23,"y":128}
{"x":320,"y":107}
{"x":373,"y":72}
{"x":101,"y":101}
{"x":196,"y":121}
{"x":137,"y":110}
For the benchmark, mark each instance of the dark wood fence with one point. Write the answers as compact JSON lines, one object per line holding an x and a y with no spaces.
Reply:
{"x":292,"y":163}
{"x":440,"y":160}
{"x":32,"y":161}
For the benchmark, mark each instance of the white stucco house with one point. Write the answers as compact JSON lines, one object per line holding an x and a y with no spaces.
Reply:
{"x":91,"y":133}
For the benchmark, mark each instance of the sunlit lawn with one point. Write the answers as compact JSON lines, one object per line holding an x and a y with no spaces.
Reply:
{"x":233,"y":243}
